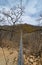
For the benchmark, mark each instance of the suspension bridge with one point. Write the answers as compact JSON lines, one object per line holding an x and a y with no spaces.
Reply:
{"x":20,"y":56}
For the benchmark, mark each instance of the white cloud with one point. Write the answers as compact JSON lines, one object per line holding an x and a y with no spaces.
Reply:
{"x":32,"y":7}
{"x":29,"y":20}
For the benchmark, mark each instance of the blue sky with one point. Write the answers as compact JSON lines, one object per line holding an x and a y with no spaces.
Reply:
{"x":33,"y":8}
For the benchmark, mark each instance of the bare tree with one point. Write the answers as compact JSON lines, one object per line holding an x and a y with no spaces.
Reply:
{"x":14,"y":14}
{"x":39,"y":20}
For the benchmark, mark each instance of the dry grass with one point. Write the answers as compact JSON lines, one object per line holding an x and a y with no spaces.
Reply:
{"x":32,"y":42}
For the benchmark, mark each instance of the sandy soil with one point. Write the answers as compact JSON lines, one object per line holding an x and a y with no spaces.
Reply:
{"x":10,"y":56}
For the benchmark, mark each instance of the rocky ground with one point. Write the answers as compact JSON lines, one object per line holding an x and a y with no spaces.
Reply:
{"x":10,"y":57}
